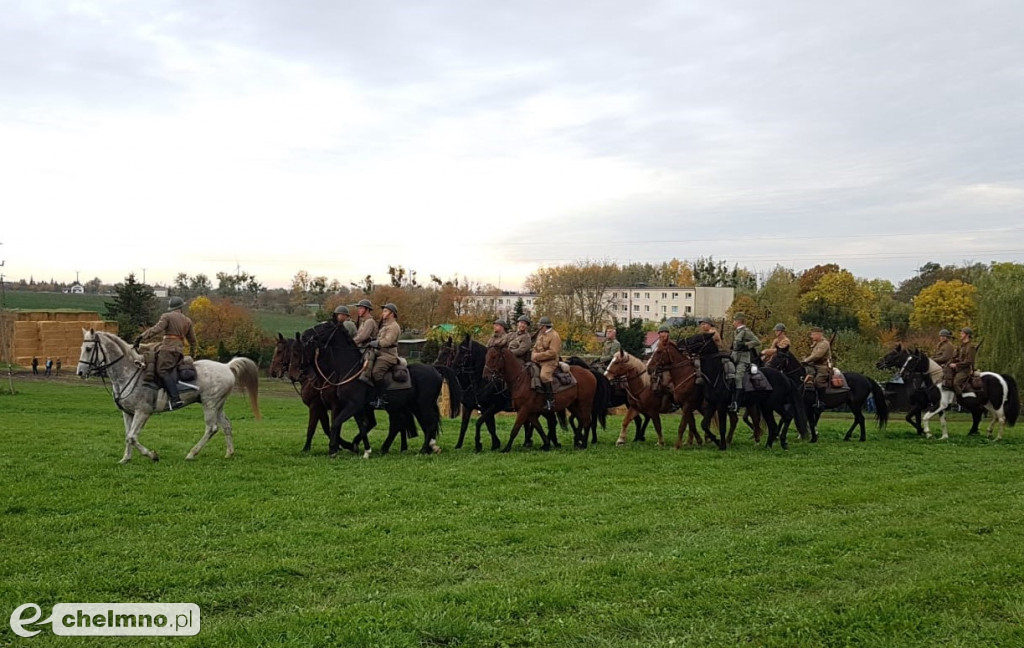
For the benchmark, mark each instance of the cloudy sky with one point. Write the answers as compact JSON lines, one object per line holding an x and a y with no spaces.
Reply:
{"x":485,"y":139}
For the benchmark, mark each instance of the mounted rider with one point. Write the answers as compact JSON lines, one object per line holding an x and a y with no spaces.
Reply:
{"x":781,"y":342}
{"x":519,"y":341}
{"x":745,"y":348}
{"x":175,"y":327}
{"x":365,"y":324}
{"x":728,"y":368}
{"x":545,"y":354}
{"x":944,"y":351}
{"x":385,"y":349}
{"x":500,"y":336}
{"x":819,"y":363}
{"x":610,"y":348}
{"x":957,"y":373}
{"x":340,"y":317}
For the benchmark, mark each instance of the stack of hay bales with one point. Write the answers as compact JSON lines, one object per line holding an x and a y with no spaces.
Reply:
{"x":43,"y":334}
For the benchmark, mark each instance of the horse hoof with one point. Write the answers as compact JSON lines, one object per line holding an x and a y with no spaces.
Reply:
{"x":366,"y":455}
{"x":784,"y":446}
{"x":814,"y":438}
{"x":479,"y":448}
{"x":155,"y":457}
{"x":620,"y":442}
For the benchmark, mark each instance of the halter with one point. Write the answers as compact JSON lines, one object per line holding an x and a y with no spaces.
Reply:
{"x":99,"y":368}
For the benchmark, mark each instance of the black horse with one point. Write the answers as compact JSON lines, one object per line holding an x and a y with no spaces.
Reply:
{"x":785,"y":399}
{"x":466,"y":361}
{"x":998,"y":395}
{"x":716,"y":393}
{"x":860,"y":388}
{"x":331,"y":353}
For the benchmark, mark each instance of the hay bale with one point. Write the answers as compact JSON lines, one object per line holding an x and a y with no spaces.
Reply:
{"x":444,"y":400}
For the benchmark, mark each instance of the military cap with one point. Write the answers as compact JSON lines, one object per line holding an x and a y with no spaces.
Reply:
{"x":175,"y":303}
{"x":545,"y":321}
{"x":391,"y":307}
{"x":502,"y":323}
{"x":780,"y":327}
{"x":817,"y":329}
{"x":343,"y":309}
{"x":523,"y":318}
{"x":664,"y":328}
{"x":365,"y":303}
{"x":704,"y":320}
{"x":945,"y":333}
{"x":967,"y":330}
{"x":739,"y":317}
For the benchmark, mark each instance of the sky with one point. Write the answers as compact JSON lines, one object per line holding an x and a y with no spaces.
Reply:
{"x":484,"y":140}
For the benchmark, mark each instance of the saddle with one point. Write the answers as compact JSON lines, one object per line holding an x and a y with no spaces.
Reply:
{"x":562,"y":378}
{"x":186,"y":370}
{"x":755,"y":382}
{"x":398,"y":377}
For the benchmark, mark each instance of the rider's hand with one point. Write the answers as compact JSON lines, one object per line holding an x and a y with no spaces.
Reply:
{"x":138,"y":341}
{"x":374,"y":344}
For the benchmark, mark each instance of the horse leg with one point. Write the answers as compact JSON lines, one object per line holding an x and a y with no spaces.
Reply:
{"x":210,"y":419}
{"x":630,"y":415}
{"x":313,"y":421}
{"x":138,"y":421}
{"x":229,"y":440}
{"x":520,"y":419}
{"x":467,"y":412}
{"x":976,"y":422}
{"x":858,"y":418}
{"x":545,"y":440}
{"x":127,"y":438}
{"x":656,"y":419}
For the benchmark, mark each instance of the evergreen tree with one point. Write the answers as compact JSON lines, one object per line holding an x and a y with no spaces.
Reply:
{"x":631,"y":336}
{"x":517,"y":311}
{"x":134,"y":307}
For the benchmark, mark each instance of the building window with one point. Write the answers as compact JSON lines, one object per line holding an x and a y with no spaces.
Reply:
{"x":647,"y":295}
{"x":664,"y":295}
{"x":636,"y":295}
{"x":675,"y":309}
{"x":689,"y":310}
{"x":625,"y":294}
{"x":636,"y":308}
{"x":675,"y":295}
{"x":689,"y":295}
{"x":647,"y":308}
{"x":663,"y":309}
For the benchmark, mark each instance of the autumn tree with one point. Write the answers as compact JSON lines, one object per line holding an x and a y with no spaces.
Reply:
{"x":944,"y":304}
{"x":809,"y":277}
{"x":838,"y":301}
{"x":1000,"y":318}
{"x":224,"y":329}
{"x":779,"y":297}
{"x":575,"y":293}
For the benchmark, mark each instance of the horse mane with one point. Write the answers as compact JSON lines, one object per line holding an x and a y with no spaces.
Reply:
{"x":127,"y":349}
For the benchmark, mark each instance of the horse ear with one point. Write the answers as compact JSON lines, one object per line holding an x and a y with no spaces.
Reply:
{"x":280,"y":337}
{"x":298,"y":336}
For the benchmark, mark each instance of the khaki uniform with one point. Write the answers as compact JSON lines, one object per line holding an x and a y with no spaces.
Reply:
{"x":781,"y":342}
{"x":498,"y":340}
{"x":943,"y":353}
{"x":520,"y":345}
{"x":366,"y":331}
{"x":964,"y":361}
{"x":176,"y":327}
{"x":609,"y":350}
{"x":387,"y":349}
{"x":545,"y":352}
{"x":820,"y":358}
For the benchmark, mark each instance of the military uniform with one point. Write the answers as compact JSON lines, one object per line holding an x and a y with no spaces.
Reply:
{"x":545,"y":352}
{"x":779,"y":343}
{"x":387,"y":349}
{"x":745,"y":347}
{"x":520,"y":345}
{"x":498,"y":339}
{"x":609,"y":350}
{"x":820,"y":357}
{"x":366,"y":330}
{"x":944,"y":353}
{"x":176,"y":328}
{"x":964,"y":361}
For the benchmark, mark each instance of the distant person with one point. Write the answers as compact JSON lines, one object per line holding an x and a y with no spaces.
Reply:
{"x":49,"y":366}
{"x":58,"y":366}
{"x":35,"y":366}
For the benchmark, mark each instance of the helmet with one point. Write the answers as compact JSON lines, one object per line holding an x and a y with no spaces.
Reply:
{"x":780,"y":327}
{"x":175,"y":303}
{"x":545,"y":321}
{"x":664,"y":328}
{"x":341,"y":309}
{"x":945,"y":333}
{"x":502,"y":322}
{"x":391,"y":307}
{"x":739,"y":317}
{"x":967,"y":330}
{"x":365,"y":303}
{"x":817,"y":329}
{"x":524,"y":318}
{"x":704,"y":320}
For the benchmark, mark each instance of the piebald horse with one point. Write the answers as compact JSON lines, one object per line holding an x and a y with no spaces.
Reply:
{"x":104,"y":354}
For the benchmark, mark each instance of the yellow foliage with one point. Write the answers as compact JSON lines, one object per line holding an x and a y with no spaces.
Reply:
{"x":949,"y":304}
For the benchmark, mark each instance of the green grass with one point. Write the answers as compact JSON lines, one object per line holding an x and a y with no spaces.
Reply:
{"x":283,"y":323}
{"x":26,"y":300}
{"x":895,"y":542}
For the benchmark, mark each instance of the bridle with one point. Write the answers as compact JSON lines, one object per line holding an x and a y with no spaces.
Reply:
{"x":98,"y":363}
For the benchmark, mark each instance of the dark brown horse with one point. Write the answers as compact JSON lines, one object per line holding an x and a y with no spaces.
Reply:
{"x":529,"y":404}
{"x":286,"y":363}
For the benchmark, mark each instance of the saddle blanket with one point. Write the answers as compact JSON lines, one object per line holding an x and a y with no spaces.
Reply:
{"x":756,"y":382}
{"x":561,"y":380}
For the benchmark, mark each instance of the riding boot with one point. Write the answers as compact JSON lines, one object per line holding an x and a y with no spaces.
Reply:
{"x":549,"y":395}
{"x":820,"y":403}
{"x":377,"y":398}
{"x":170,"y":381}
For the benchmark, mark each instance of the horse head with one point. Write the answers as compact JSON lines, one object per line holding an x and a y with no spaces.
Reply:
{"x":494,"y":363}
{"x":101,"y":351}
{"x":622,"y":364}
{"x":282,"y":356}
{"x":701,"y":344}
{"x":445,"y":354}
{"x":895,"y":359}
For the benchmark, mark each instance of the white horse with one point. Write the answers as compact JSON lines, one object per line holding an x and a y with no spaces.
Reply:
{"x":105,"y":354}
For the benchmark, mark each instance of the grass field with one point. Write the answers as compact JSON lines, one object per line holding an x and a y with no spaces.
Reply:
{"x":895,"y":542}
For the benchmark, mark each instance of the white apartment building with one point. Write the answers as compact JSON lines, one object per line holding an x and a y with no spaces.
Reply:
{"x":649,"y":303}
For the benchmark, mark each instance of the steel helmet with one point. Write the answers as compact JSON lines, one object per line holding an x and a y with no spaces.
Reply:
{"x":945,"y":333}
{"x":739,"y":317}
{"x":545,"y":321}
{"x":365,"y":303}
{"x":175,"y":303}
{"x":524,"y":318}
{"x":502,"y":323}
{"x":341,"y":309}
{"x":780,"y":327}
{"x":664,"y":328}
{"x":967,"y":330}
{"x":391,"y":307}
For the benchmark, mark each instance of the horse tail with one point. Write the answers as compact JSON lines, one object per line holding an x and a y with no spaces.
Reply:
{"x":1011,"y":407}
{"x":601,"y":396}
{"x":881,"y":406}
{"x":247,"y":376}
{"x":454,"y":389}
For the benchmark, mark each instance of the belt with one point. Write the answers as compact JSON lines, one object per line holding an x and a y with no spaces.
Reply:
{"x":174,"y":337}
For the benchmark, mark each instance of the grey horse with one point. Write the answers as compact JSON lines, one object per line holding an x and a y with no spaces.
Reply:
{"x":105,"y":354}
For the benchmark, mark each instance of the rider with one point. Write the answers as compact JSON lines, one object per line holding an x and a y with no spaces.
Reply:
{"x":745,"y":347}
{"x":610,"y":348}
{"x":385,"y":346}
{"x":545,"y":353}
{"x":366,"y":325}
{"x":175,"y":327}
{"x":728,"y":368}
{"x":341,"y":318}
{"x":781,"y":342}
{"x":818,"y":362}
{"x":944,"y":352}
{"x":500,"y":336}
{"x":519,"y":340}
{"x":957,"y":372}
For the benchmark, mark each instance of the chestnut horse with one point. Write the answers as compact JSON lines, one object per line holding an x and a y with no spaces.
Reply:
{"x":685,"y":391}
{"x":641,"y":398}
{"x":529,"y":404}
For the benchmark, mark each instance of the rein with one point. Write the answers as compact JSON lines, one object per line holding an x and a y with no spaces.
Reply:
{"x":99,"y":367}
{"x":352,"y":375}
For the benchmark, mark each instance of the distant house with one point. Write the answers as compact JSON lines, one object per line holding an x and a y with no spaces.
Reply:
{"x":649,"y":339}
{"x":76,"y":289}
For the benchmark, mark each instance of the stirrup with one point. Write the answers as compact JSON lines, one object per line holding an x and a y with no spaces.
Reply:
{"x":550,"y":404}
{"x":175,"y":405}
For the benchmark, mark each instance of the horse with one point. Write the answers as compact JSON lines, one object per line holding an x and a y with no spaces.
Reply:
{"x":643,"y":399}
{"x":999,"y":395}
{"x":488,"y":397}
{"x":860,"y":388}
{"x":610,"y":394}
{"x":529,"y":404}
{"x":716,"y":391}
{"x":106,"y":355}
